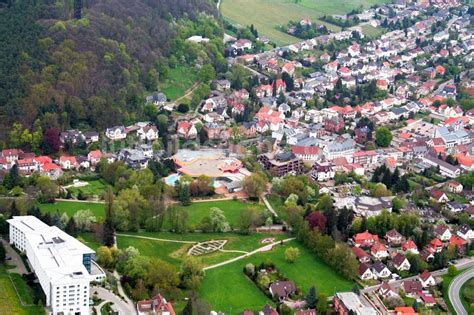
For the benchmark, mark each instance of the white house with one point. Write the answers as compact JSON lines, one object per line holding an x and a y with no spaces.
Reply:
{"x":148,"y":132}
{"x":380,"y":270}
{"x":116,"y":133}
{"x":365,"y":272}
{"x":465,"y":232}
{"x":442,"y":232}
{"x":426,"y":279}
{"x":400,"y":262}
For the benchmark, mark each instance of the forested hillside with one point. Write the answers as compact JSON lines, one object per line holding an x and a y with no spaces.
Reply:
{"x":93,"y":72}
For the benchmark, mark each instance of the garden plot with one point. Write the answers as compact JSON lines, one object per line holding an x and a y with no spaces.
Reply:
{"x":206,"y":247}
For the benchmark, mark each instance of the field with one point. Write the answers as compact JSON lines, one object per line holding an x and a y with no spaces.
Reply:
{"x":266,"y":15}
{"x":174,"y":253}
{"x":9,"y":303}
{"x":371,"y":31}
{"x":278,"y":205}
{"x":231,"y":208}
{"x":178,"y":81}
{"x":94,"y":188}
{"x":71,"y":207}
{"x":306,"y":271}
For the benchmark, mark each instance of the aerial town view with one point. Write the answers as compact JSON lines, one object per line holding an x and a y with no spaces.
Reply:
{"x":236,"y":157}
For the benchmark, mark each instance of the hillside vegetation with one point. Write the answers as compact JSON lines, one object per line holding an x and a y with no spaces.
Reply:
{"x":93,"y":72}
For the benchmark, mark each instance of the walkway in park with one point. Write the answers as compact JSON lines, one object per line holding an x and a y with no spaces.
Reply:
{"x":157,"y":239}
{"x":258,"y":250}
{"x":454,"y":291}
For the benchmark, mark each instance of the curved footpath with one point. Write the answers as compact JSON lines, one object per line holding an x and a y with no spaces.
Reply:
{"x":258,"y":250}
{"x":454,"y":291}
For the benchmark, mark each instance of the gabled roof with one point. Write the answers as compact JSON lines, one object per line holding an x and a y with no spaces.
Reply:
{"x":378,"y":266}
{"x":399,"y":259}
{"x":441,"y":229}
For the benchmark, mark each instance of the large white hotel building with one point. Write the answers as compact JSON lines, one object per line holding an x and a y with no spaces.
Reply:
{"x":63,"y":265}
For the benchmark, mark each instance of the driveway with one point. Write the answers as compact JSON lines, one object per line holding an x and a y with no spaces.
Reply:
{"x":123,"y":307}
{"x":454,"y":291}
{"x":16,"y":259}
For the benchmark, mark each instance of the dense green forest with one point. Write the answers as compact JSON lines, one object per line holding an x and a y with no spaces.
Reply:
{"x":93,"y":72}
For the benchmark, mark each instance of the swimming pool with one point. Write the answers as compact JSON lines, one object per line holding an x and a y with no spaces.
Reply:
{"x":171,"y":179}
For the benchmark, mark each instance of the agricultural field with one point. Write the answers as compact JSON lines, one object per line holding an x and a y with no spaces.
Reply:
{"x":178,"y":81}
{"x":231,"y":208}
{"x":10,"y":303}
{"x":71,"y":207}
{"x":215,"y":289}
{"x":266,"y":15}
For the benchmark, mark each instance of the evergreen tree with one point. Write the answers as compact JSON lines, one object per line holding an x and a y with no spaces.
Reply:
{"x":34,"y":211}
{"x":184,"y":194}
{"x":12,"y":179}
{"x":71,"y":227}
{"x":387,"y":178}
{"x":188,"y":309}
{"x":311,"y":298}
{"x":46,"y":218}
{"x":108,"y":238}
{"x":363,"y":225}
{"x":56,"y":220}
{"x":331,"y":220}
{"x":14,"y":211}
{"x":395,"y":177}
{"x":2,"y":253}
{"x":356,"y":289}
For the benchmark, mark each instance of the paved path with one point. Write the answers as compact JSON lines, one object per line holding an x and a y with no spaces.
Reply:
{"x":99,"y":307}
{"x":119,"y":304}
{"x":122,"y":291}
{"x":158,"y":239}
{"x":258,"y":250}
{"x":16,"y":259}
{"x":454,"y":291}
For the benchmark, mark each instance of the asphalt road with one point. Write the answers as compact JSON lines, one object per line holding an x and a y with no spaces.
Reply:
{"x":15,"y":259}
{"x":454,"y":291}
{"x":123,"y":307}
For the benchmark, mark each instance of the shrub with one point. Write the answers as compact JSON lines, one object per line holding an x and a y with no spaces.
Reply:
{"x":291,"y":254}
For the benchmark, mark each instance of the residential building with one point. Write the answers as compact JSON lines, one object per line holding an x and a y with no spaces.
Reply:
{"x":346,"y":303}
{"x":158,"y":305}
{"x":281,"y":164}
{"x":281,"y":290}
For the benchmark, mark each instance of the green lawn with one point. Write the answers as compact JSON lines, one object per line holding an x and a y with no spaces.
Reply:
{"x":372,"y":32}
{"x":278,"y":205}
{"x":89,"y":240}
{"x":175,"y":252}
{"x":71,"y":207}
{"x":266,"y":15}
{"x":306,"y":271}
{"x":178,"y":81}
{"x":94,"y":188}
{"x":9,"y":302}
{"x":232,"y":209}
{"x":445,"y":289}
{"x":467,"y":294}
